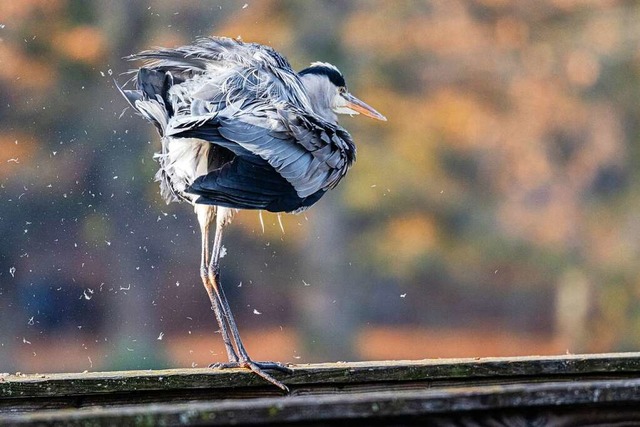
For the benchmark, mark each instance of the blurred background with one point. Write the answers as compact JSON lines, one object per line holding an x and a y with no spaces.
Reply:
{"x":496,"y":213}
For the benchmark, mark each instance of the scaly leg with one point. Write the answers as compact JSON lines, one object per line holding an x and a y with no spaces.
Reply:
{"x":206,"y":215}
{"x":222,"y":218}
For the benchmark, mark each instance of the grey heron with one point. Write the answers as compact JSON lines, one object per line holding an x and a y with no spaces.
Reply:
{"x":240,"y":129}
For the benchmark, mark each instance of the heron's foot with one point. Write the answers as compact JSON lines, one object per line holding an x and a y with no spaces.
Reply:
{"x":274,"y":366}
{"x":259,"y":369}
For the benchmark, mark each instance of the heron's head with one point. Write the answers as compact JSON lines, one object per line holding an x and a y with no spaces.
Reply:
{"x":328,"y":93}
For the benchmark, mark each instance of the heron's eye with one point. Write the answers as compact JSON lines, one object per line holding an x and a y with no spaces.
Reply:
{"x":342,"y":90}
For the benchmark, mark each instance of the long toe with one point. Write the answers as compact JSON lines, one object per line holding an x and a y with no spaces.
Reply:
{"x":258,"y":369}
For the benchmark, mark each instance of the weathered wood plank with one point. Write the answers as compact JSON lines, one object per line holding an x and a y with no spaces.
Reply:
{"x":520,"y":404}
{"x":448,"y":371}
{"x":559,"y":387}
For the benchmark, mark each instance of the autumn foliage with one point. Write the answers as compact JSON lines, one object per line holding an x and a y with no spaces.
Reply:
{"x":502,"y":195}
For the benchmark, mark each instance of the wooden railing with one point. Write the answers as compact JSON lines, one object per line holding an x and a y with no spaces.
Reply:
{"x":562,"y":390}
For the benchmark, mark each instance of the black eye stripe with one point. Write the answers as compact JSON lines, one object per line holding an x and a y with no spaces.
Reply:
{"x":332,"y":74}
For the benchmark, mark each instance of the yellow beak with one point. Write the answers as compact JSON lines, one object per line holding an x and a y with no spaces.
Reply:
{"x":361,"y":107}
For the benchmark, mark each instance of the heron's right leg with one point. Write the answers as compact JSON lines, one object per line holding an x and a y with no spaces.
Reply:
{"x":223,"y":215}
{"x":206,"y":215}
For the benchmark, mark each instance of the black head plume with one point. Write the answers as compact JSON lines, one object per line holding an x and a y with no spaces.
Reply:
{"x":325,"y":69}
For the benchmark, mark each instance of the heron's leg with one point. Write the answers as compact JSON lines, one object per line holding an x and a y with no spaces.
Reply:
{"x":223,"y":216}
{"x":206,"y":215}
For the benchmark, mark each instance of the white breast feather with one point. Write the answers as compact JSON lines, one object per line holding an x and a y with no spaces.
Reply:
{"x":186,"y":159}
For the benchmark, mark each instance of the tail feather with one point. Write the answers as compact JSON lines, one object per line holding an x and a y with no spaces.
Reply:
{"x":150,"y":98}
{"x":154,"y":111}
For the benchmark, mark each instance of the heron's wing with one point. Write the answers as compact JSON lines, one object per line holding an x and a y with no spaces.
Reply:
{"x":207,"y":51}
{"x":231,"y":59}
{"x":309,"y":154}
{"x":248,"y":182}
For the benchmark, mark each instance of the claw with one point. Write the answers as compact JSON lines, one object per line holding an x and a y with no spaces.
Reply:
{"x":224,"y":365}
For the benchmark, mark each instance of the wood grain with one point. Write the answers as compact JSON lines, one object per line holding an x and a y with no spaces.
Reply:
{"x":502,"y":391}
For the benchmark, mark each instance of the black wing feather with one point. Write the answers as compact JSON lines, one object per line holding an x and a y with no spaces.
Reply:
{"x":249,"y":183}
{"x":307,"y":156}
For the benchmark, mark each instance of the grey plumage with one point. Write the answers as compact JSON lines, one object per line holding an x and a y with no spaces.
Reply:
{"x":247,"y":99}
{"x":241,"y":130}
